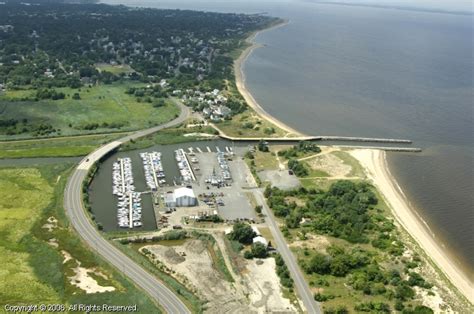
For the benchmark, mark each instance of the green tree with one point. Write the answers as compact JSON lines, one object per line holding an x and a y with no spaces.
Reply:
{"x":242,"y":233}
{"x":259,"y":250}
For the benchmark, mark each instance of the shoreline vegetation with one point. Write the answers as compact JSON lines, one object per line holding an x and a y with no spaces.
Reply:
{"x":374,"y":161}
{"x":375,"y":164}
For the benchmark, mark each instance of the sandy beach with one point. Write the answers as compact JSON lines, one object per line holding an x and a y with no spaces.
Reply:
{"x":240,"y":82}
{"x":374,"y":162}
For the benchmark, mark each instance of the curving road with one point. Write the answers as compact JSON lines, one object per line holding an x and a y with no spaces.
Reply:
{"x":83,"y":225}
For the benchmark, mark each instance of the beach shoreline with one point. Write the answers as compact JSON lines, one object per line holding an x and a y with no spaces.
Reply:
{"x":375,"y":164}
{"x":240,"y":81}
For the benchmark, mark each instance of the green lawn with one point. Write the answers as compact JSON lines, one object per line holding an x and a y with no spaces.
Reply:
{"x":55,"y":147}
{"x":33,"y":271}
{"x":266,"y":161}
{"x":168,"y":136}
{"x":114,"y":69}
{"x":98,"y":104}
{"x":248,"y":124}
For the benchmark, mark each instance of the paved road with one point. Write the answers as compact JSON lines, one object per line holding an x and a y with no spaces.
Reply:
{"x":83,"y":225}
{"x":302,"y":287}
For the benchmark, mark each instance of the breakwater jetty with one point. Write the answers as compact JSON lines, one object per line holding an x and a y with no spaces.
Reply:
{"x":331,"y":138}
{"x":316,"y":138}
{"x":385,"y":148}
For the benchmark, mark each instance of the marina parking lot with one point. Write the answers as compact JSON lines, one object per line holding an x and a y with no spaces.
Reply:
{"x":234,"y":199}
{"x":234,"y":204}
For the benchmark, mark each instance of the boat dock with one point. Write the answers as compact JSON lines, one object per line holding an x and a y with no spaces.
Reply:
{"x":185,"y":169}
{"x":129,"y":211}
{"x":153,"y":168}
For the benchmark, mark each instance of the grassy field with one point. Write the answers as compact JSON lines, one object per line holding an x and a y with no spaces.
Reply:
{"x":168,"y":136}
{"x":35,"y":235}
{"x":107,"y":105}
{"x":357,"y":170}
{"x":248,"y":124}
{"x":54,"y":147}
{"x":114,"y":69}
{"x":266,"y":161}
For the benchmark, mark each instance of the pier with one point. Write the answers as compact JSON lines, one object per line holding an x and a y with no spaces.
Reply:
{"x":316,"y":138}
{"x":330,"y":138}
{"x":385,"y":148}
{"x":130,"y":211}
{"x":184,"y":166}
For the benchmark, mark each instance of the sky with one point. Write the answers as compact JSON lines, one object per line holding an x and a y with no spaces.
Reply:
{"x":456,"y":6}
{"x":465,"y":6}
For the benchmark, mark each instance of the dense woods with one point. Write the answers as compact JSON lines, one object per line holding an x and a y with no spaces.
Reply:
{"x":52,"y":52}
{"x":57,"y":45}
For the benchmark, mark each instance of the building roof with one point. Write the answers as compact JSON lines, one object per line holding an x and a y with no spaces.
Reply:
{"x":169,"y":197}
{"x":255,"y":229}
{"x":260,"y":239}
{"x":183,"y":191}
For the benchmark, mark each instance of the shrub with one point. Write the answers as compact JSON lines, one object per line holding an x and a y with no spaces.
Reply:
{"x":242,"y":233}
{"x":259,"y":250}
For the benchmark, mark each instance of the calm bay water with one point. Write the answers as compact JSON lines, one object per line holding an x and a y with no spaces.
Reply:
{"x":377,"y":72}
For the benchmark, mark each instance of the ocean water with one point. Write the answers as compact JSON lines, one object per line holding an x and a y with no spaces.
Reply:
{"x":397,"y":71}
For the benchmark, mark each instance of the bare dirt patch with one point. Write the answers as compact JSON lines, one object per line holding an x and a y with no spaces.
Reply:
{"x":53,"y":242}
{"x":264,"y":286}
{"x":280,"y":179}
{"x":51,"y":224}
{"x":196,"y":270}
{"x":313,"y":241}
{"x":330,"y":164}
{"x":255,"y":290}
{"x":84,"y":281}
{"x":433,"y":301}
{"x":67,"y":256}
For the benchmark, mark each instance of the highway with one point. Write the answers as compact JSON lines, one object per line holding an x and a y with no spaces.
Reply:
{"x":302,"y":287}
{"x":86,"y":229}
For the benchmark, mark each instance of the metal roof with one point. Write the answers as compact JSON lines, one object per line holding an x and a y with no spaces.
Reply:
{"x":184,"y":191}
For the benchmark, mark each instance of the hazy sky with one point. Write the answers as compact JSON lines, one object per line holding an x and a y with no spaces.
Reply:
{"x":445,"y":5}
{"x":465,"y":6}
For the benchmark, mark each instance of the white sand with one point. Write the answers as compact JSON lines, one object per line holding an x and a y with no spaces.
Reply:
{"x":377,"y":170}
{"x":240,"y":82}
{"x":85,"y":282}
